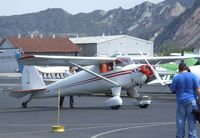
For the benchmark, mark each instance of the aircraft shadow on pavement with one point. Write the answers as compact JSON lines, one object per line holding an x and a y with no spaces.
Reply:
{"x":45,"y":108}
{"x":29,"y":109}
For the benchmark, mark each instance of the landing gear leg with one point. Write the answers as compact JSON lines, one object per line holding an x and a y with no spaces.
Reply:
{"x":61,"y":101}
{"x":24,"y":104}
{"x":71,"y":101}
{"x":115,"y":102}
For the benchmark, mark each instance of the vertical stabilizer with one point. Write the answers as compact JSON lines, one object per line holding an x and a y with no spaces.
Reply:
{"x":31,"y":79}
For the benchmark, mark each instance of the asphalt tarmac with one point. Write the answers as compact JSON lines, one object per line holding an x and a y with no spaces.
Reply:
{"x":91,"y":119}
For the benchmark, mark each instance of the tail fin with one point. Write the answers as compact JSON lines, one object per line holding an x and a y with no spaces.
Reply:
{"x":31,"y":79}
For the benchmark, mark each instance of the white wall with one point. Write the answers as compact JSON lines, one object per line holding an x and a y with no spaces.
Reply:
{"x":8,"y":62}
{"x":196,"y":51}
{"x":127,"y":45}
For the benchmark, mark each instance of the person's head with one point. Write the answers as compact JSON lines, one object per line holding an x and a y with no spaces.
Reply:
{"x":72,"y":69}
{"x":183,"y":67}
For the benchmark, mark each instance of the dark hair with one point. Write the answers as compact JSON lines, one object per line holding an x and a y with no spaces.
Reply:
{"x":182,"y":67}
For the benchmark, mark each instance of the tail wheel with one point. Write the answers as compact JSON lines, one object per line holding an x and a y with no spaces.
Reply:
{"x":24,"y":105}
{"x":116,"y":107}
{"x":143,"y":106}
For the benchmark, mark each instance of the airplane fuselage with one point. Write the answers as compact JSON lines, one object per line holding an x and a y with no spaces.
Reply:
{"x":84,"y":82}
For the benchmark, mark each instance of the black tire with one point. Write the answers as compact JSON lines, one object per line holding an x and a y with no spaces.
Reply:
{"x":24,"y":105}
{"x":116,"y":107}
{"x":143,"y":106}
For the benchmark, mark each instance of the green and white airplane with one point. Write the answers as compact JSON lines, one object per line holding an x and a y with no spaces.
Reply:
{"x":168,"y":70}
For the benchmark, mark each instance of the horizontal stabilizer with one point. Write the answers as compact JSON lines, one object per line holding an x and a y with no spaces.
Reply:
{"x":22,"y":93}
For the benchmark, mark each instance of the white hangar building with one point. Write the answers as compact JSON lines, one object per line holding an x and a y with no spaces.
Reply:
{"x":108,"y":45}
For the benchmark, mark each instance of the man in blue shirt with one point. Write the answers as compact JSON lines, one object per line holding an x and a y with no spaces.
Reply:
{"x":187,"y":88}
{"x":18,"y":55}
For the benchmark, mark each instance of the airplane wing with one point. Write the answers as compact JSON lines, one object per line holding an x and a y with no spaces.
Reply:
{"x":162,"y":59}
{"x":42,"y":60}
{"x":47,"y":60}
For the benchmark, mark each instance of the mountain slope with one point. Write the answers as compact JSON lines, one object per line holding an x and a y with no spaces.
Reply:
{"x":184,"y":31}
{"x":146,"y":21}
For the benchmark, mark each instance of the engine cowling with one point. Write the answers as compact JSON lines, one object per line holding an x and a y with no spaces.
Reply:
{"x":146,"y":70}
{"x":114,"y":102}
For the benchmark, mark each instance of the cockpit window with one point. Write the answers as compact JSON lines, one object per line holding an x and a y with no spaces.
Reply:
{"x":123,"y":61}
{"x":105,"y":67}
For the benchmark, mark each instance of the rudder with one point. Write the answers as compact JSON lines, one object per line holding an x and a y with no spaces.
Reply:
{"x":31,"y":79}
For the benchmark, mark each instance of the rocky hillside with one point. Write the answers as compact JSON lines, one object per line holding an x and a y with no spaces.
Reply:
{"x":182,"y":32}
{"x":146,"y":21}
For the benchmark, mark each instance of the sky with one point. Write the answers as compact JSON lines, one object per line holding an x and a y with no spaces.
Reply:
{"x":16,"y":7}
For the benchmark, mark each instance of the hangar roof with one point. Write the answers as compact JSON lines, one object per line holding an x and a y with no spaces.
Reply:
{"x":101,"y":39}
{"x":44,"y":45}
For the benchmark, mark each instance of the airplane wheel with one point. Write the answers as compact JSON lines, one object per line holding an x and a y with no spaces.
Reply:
{"x":144,"y":106}
{"x":24,"y":105}
{"x":115,"y":107}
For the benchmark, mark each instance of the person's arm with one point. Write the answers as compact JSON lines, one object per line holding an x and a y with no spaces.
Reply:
{"x":198,"y":94}
{"x":173,"y":86}
{"x":197,"y":86}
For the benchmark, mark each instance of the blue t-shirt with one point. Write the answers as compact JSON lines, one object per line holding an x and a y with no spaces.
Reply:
{"x":18,"y":56}
{"x":185,"y":85}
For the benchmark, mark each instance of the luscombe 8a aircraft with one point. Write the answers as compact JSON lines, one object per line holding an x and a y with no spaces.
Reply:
{"x":97,"y":75}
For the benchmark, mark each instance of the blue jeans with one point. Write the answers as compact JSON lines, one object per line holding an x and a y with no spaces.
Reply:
{"x":183,"y":113}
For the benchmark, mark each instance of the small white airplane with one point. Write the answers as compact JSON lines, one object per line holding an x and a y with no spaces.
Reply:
{"x":167,"y":78}
{"x":101,"y":74}
{"x":2,"y":51}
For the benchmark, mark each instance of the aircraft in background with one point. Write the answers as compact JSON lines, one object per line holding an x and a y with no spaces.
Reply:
{"x":167,"y":75}
{"x":2,"y":51}
{"x":101,"y":74}
{"x":168,"y":70}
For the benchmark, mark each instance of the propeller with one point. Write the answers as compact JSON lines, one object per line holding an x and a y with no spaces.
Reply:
{"x":153,"y":70}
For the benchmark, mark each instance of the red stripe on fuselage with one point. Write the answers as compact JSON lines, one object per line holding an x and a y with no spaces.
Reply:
{"x":96,"y":79}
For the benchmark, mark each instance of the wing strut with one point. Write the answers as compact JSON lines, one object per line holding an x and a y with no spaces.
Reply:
{"x":91,"y":72}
